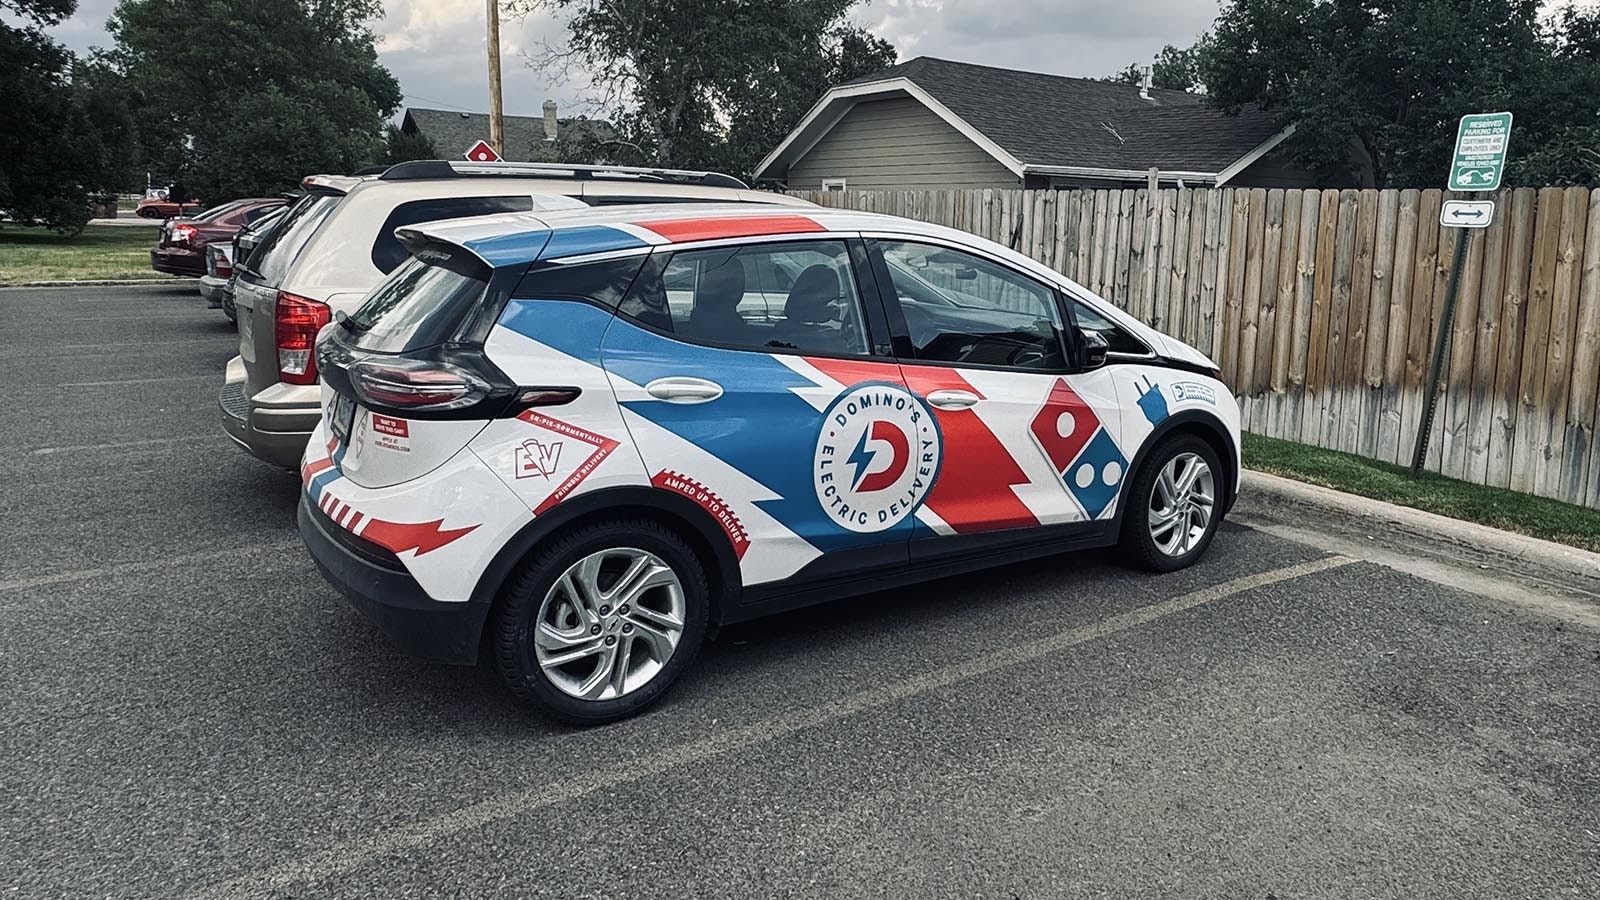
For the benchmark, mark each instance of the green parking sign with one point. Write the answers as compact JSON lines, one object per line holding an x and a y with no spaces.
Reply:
{"x":1480,"y":157}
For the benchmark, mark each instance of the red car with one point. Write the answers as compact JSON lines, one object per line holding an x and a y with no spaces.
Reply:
{"x":181,"y":249}
{"x":159,"y":208}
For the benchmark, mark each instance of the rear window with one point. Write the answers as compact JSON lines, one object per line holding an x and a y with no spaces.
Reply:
{"x":279,"y":247}
{"x":217,"y":212}
{"x":388,"y":254}
{"x":420,"y":305}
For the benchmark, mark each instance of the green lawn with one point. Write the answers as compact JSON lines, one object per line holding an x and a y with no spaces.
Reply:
{"x":98,"y":252}
{"x":1538,"y":517}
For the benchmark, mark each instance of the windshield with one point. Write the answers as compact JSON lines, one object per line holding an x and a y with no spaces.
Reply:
{"x":418,"y":306}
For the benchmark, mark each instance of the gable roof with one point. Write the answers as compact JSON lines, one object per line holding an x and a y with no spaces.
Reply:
{"x":1052,"y":124}
{"x":453,"y":132}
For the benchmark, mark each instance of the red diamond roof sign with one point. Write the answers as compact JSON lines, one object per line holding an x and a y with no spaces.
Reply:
{"x":482,"y":152}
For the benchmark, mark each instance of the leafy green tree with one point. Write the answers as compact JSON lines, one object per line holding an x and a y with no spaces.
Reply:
{"x":239,"y":99}
{"x":710,"y":83}
{"x":1174,"y":68}
{"x":399,"y":147}
{"x":54,"y":150}
{"x":1375,"y":87}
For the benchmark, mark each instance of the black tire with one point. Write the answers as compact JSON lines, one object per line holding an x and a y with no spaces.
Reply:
{"x":1136,"y":544}
{"x":512,"y":627}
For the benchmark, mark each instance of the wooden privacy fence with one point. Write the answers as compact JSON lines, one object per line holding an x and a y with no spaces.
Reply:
{"x":1321,"y":308}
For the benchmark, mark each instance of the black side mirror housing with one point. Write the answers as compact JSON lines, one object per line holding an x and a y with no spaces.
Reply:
{"x":1092,"y":348}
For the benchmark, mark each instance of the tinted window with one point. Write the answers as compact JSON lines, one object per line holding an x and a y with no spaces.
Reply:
{"x":217,"y":212}
{"x":278,"y":247}
{"x":1118,"y":340}
{"x":603,"y":283}
{"x":799,"y":296}
{"x":962,"y":308}
{"x":386,"y":250}
{"x":418,"y":306}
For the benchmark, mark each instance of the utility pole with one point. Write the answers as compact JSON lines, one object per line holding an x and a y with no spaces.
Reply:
{"x":496,"y":109}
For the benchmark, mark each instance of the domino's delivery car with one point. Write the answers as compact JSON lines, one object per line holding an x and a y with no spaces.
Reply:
{"x":573,"y":442}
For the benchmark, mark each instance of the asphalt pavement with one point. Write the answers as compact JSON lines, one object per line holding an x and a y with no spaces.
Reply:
{"x":190,"y":712}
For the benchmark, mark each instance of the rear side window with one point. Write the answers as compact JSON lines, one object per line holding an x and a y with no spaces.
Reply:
{"x":418,"y":306}
{"x":388,"y":254}
{"x":282,"y":244}
{"x":602,"y":283}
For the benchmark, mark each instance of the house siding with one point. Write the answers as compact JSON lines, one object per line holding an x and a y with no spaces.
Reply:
{"x":897,"y":144}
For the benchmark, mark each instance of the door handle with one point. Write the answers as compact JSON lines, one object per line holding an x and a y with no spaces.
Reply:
{"x":682,"y":389}
{"x":948,"y":399}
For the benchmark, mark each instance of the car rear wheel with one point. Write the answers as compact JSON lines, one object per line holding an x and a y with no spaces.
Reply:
{"x":601,"y":621}
{"x":1173,"y":509}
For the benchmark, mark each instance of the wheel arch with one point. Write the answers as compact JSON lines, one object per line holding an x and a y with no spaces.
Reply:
{"x":696,"y":526}
{"x":1209,"y":429}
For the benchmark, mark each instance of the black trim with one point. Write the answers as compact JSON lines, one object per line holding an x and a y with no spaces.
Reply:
{"x":393,"y":600}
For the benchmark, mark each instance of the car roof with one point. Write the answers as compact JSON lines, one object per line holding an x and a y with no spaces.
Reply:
{"x":517,"y":238}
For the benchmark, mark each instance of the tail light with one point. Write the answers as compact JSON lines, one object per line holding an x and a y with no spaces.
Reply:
{"x":183,"y":233}
{"x":416,"y":384}
{"x":218,"y":263}
{"x":297,"y":321}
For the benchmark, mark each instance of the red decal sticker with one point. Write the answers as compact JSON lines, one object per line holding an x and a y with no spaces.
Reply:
{"x":1064,"y":425}
{"x":422,"y":537}
{"x":849,"y":372}
{"x":683,"y":230}
{"x":390,"y":425}
{"x":973,"y":492}
{"x":603,"y":447}
{"x":682,"y":484}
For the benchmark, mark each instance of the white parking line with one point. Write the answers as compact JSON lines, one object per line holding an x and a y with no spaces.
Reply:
{"x":133,"y":568}
{"x":150,"y":343}
{"x":120,"y":445}
{"x":139,"y":381}
{"x":350,"y":855}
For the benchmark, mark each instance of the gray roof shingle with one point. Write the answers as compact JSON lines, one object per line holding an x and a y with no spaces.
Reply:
{"x":1053,"y":120}
{"x":453,"y":132}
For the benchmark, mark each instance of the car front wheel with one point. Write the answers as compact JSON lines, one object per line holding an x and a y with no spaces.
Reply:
{"x":1173,"y":507}
{"x":601,"y":621}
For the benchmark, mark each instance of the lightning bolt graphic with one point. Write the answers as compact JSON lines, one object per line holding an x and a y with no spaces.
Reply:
{"x":422,"y":537}
{"x":861,"y":458}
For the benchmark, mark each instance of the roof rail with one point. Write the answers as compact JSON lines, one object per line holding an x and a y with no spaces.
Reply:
{"x":420,"y":169}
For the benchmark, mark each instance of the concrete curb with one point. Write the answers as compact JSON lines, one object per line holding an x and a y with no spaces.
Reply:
{"x":1430,"y":526}
{"x":105,"y":282}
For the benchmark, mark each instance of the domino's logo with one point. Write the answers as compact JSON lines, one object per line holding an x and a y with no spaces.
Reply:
{"x":1090,"y":463}
{"x":876,"y":458}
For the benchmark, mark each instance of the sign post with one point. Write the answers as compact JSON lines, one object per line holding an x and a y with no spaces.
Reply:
{"x":1478,"y":164}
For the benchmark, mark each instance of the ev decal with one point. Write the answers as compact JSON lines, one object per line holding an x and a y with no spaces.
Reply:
{"x":876,"y":458}
{"x":1152,"y":401}
{"x":536,"y":458}
{"x":1193,"y":390}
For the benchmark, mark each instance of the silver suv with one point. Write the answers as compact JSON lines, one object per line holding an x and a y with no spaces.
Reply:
{"x":338,"y":242}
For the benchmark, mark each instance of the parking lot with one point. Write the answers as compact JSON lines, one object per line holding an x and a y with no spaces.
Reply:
{"x":190,"y":711}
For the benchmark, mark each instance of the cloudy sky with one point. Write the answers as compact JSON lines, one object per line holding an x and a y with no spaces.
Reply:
{"x":436,"y":47}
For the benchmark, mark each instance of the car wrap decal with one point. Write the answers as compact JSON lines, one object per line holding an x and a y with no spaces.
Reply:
{"x":602,"y":447}
{"x":423,"y":537}
{"x":685,"y":230}
{"x":977,"y":490}
{"x":1086,"y":457}
{"x":707,"y":499}
{"x":510,"y":249}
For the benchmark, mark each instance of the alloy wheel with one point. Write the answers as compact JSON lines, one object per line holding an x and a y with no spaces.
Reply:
{"x":1182,"y":502}
{"x":609,"y":624}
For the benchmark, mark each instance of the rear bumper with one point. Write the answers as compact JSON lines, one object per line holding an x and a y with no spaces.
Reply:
{"x":388,"y":595}
{"x":174,"y":261}
{"x":211,"y":289}
{"x":275,"y":424}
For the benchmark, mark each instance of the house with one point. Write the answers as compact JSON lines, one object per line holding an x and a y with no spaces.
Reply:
{"x":933,"y":124}
{"x":526,"y":138}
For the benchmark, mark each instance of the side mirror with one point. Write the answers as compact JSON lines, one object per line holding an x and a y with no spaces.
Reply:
{"x":1092,"y":349}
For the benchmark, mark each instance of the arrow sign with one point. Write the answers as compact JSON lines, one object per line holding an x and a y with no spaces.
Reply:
{"x":1466,"y":213}
{"x":482,"y":152}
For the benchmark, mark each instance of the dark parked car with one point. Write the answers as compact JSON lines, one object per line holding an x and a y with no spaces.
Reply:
{"x":181,"y":249}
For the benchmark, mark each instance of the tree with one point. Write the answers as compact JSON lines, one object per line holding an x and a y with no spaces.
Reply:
{"x":239,"y":99}
{"x":52,"y":153}
{"x":1375,"y":87}
{"x":1174,"y":68}
{"x":399,"y":147}
{"x":710,"y":83}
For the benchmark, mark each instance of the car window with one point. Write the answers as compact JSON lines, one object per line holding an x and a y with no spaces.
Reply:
{"x":962,"y":308}
{"x":1118,"y":339}
{"x":792,"y":296}
{"x":418,"y":306}
{"x":217,"y":212}
{"x":388,"y":254}
{"x":255,"y":213}
{"x":281,"y":244}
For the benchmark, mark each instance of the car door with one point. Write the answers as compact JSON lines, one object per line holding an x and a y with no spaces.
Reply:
{"x":784,"y":418}
{"x":1028,"y":440}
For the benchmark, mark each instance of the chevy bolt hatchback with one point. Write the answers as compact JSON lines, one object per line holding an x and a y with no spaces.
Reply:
{"x":575,"y":443}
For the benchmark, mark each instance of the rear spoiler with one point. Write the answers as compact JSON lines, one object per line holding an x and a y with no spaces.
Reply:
{"x":328,"y":185}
